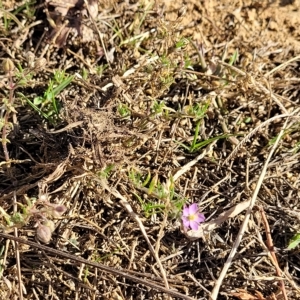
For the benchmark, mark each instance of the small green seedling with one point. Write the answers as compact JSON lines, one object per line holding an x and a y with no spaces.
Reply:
{"x":124,"y":111}
{"x":106,"y":172}
{"x":233,"y":58}
{"x":198,"y":110}
{"x":158,"y":107}
{"x":164,"y":200}
{"x":296,"y":148}
{"x":23,"y":76}
{"x":47,"y":105}
{"x":295,"y":240}
{"x":196,"y":145}
{"x":182,"y":43}
{"x":85,"y":74}
{"x":7,"y":17}
{"x":100,"y":69}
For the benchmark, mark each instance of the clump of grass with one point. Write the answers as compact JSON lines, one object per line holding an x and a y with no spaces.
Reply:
{"x":161,"y":199}
{"x":48,"y":105}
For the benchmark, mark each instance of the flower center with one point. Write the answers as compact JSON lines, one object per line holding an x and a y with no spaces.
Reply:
{"x":192,"y":217}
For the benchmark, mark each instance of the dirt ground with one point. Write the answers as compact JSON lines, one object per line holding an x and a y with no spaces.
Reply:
{"x":116,"y":116}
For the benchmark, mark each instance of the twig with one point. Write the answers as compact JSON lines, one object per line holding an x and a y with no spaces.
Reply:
{"x":102,"y":267}
{"x":197,"y":282}
{"x":237,"y":242}
{"x":270,"y":246}
{"x":17,"y":253}
{"x":66,"y":128}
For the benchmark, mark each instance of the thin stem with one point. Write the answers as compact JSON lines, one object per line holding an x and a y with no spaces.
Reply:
{"x":6,"y":117}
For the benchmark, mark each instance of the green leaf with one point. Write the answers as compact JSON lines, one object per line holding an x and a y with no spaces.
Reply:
{"x":153,"y":184}
{"x":38,"y":100}
{"x":234,"y":57}
{"x":295,"y":240}
{"x":202,"y":144}
{"x":146,"y":181}
{"x":194,"y":143}
{"x":63,"y":85}
{"x":33,"y":105}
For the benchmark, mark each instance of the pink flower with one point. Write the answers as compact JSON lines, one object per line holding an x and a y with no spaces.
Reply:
{"x":191,"y":218}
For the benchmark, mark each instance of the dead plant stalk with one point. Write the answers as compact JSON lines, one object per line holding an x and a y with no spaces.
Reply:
{"x":270,"y":246}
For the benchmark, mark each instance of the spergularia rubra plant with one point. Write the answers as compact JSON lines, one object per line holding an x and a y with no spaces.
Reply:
{"x":191,"y":217}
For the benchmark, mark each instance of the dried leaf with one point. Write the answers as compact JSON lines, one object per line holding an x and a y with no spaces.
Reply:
{"x":93,"y":8}
{"x":59,"y":171}
{"x":244,"y":295}
{"x":44,"y":233}
{"x":8,"y":283}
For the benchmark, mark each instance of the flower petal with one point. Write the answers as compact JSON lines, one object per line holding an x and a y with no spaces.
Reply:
{"x":185,"y":211}
{"x":200,"y":218}
{"x":186,"y":222}
{"x":194,"y":225}
{"x":193,"y":208}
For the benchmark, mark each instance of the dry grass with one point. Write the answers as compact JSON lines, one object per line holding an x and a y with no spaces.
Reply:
{"x":124,"y":112}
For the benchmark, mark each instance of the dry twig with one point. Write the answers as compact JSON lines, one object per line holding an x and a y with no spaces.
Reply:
{"x":217,"y":286}
{"x":270,"y":246}
{"x":20,"y":282}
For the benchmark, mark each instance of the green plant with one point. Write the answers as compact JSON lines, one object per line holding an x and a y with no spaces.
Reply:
{"x":85,"y":74}
{"x":86,"y":274}
{"x":163,"y":199}
{"x":23,"y":76}
{"x":123,"y":110}
{"x":158,"y":107}
{"x":100,"y":69}
{"x":233,"y":58}
{"x":7,"y":17}
{"x":196,"y":146}
{"x":292,"y":130}
{"x":182,"y":43}
{"x":48,"y":105}
{"x":27,"y":10}
{"x":106,"y":172}
{"x":197,"y":110}
{"x":296,"y":147}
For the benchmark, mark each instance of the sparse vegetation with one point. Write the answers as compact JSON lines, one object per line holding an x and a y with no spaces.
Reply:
{"x":155,"y":142}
